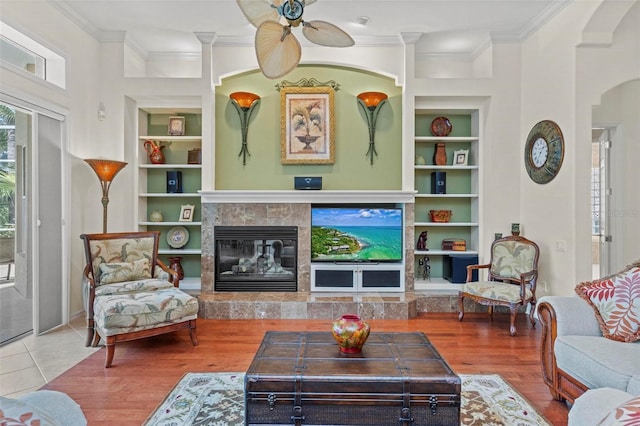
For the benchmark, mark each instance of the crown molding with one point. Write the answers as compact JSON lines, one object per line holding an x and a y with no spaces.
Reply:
{"x":368,"y":41}
{"x":206,"y":37}
{"x":174,"y":56}
{"x":410,"y":37}
{"x":72,"y":15}
{"x":113,"y":36}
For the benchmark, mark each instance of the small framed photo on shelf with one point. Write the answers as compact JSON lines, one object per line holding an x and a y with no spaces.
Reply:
{"x":176,"y":126}
{"x":186,"y":213}
{"x":460,"y":157}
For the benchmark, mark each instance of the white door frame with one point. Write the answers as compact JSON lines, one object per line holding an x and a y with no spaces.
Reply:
{"x":57,"y":113}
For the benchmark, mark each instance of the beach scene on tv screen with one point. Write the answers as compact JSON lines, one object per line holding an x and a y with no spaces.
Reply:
{"x":356,"y":234}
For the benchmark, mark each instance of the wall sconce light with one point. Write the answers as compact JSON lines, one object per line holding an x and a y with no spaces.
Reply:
{"x":371,"y":103}
{"x":244,"y":102}
{"x":106,"y":171}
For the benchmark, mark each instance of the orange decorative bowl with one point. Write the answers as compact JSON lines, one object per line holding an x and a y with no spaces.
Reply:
{"x":440,"y":215}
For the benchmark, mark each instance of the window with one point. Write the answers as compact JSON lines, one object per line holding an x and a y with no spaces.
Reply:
{"x":21,"y":52}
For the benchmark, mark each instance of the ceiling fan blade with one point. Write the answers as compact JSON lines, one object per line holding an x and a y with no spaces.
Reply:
{"x":308,"y":2}
{"x":278,"y":51}
{"x":326,"y":34}
{"x":258,"y":11}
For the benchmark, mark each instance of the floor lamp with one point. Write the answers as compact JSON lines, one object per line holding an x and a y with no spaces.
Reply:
{"x":106,"y":171}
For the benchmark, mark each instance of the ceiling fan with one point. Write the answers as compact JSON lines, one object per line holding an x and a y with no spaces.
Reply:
{"x":277,"y":49}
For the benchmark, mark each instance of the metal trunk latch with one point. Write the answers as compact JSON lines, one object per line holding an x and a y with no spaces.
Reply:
{"x":405,"y":416}
{"x":297,"y":417}
{"x":433,"y":403}
{"x":271,"y":399}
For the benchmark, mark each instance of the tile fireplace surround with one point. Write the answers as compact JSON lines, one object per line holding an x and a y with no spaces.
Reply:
{"x":293,"y":208}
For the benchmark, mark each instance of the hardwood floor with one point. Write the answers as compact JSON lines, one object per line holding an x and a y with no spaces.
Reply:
{"x":145,"y":371}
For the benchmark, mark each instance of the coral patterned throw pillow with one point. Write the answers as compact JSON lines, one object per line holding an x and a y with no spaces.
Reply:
{"x":616,"y":301}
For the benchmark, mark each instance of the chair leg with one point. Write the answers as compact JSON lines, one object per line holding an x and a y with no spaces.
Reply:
{"x":111,"y":349}
{"x":192,"y":332}
{"x":461,"y":306}
{"x":91,"y":331}
{"x":532,"y":318}
{"x":96,"y":339}
{"x":512,"y":327}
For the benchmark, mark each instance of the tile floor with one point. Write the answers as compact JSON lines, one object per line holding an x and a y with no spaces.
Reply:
{"x":29,"y":363}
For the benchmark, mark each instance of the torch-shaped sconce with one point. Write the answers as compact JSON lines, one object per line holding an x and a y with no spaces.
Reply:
{"x":244,"y":102}
{"x":371,"y":103}
{"x":106,"y":171}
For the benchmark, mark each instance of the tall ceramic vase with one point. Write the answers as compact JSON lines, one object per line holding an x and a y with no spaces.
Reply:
{"x":440,"y":154}
{"x":350,"y":331}
{"x":177,"y":266}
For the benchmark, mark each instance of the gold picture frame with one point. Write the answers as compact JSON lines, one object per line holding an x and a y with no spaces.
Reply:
{"x":307,"y":127}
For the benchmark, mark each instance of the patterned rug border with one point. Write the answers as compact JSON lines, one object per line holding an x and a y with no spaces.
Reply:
{"x":217,"y":399}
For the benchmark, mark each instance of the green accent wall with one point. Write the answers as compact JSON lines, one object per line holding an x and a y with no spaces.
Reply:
{"x":352,"y":169}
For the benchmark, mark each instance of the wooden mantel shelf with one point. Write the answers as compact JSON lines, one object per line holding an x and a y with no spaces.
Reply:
{"x":307,"y":196}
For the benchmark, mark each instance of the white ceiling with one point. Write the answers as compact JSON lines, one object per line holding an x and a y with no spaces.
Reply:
{"x":461,"y":27}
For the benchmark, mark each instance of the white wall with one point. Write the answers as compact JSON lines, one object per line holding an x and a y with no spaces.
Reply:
{"x":559,"y":83}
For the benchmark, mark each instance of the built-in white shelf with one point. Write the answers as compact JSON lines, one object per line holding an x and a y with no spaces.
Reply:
{"x":446,"y":138}
{"x":170,"y":195}
{"x":170,"y":223}
{"x":446,"y":195}
{"x":170,"y":166}
{"x":436,"y":167}
{"x":171,"y":138}
{"x":179,"y":251}
{"x":445,"y":224}
{"x":442,"y":252}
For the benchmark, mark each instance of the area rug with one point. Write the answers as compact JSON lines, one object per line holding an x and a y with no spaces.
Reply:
{"x":217,"y":399}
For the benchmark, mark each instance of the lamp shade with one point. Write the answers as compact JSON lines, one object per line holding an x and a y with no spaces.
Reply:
{"x":372,"y":99}
{"x":106,"y":169}
{"x":244,"y":99}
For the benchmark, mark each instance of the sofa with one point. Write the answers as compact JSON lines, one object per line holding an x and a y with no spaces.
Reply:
{"x":575,"y":355}
{"x":43,"y":407}
{"x":580,"y":365}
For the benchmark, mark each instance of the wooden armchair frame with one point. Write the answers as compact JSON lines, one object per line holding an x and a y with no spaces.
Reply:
{"x":93,"y":336}
{"x":524,"y":279}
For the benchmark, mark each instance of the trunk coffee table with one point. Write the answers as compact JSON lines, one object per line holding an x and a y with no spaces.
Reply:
{"x":302,"y":378}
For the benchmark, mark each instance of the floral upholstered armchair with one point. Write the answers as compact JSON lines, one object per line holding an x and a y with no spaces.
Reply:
{"x":511,"y":281}
{"x":129,"y":293}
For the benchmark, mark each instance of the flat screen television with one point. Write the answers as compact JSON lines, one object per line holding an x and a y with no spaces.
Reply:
{"x":356,"y":234}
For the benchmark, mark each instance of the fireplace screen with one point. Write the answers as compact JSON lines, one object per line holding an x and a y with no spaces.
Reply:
{"x":258,"y":258}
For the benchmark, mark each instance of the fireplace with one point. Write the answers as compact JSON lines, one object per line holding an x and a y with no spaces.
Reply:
{"x":256,"y":258}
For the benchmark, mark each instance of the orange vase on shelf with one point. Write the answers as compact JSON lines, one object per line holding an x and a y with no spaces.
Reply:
{"x":177,"y":266}
{"x":440,"y":155}
{"x":154,"y":151}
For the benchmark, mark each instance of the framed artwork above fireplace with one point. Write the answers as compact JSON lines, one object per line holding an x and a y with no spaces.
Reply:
{"x":307,"y":125}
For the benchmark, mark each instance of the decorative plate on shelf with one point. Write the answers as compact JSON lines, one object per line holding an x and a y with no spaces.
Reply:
{"x":441,"y":126}
{"x":177,"y":237}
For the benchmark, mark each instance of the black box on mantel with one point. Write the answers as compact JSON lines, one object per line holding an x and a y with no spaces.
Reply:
{"x":174,"y":182}
{"x":438,"y":183}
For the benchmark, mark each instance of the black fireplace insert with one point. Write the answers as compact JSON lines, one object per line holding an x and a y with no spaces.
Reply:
{"x":256,"y":258}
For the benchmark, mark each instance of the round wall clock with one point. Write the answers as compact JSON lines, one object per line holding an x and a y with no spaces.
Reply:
{"x":544,"y":151}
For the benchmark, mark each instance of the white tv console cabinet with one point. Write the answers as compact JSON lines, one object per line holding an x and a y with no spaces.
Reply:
{"x":350,"y":277}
